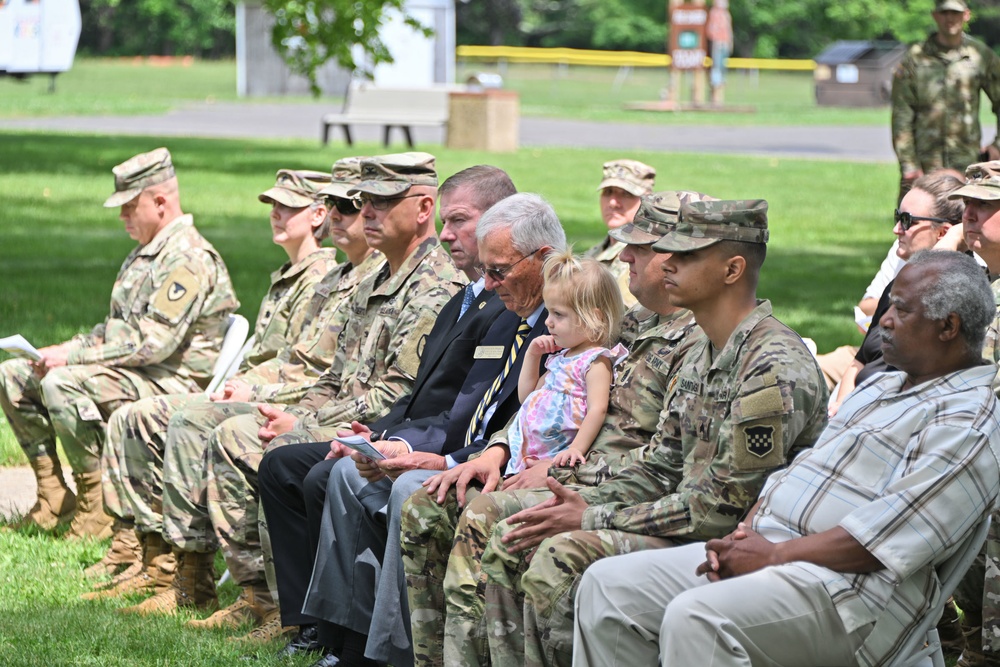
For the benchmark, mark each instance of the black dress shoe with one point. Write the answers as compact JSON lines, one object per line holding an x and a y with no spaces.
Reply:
{"x":328,"y":660}
{"x":306,"y":641}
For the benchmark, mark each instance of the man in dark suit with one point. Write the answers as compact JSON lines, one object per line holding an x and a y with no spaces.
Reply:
{"x":362,"y":511}
{"x":446,"y":353}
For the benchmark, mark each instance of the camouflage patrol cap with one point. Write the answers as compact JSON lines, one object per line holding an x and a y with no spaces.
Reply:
{"x":657,"y":215}
{"x":138,"y":173}
{"x":950,"y":6}
{"x":389,"y":175}
{"x":629,"y":175}
{"x":295,"y":189}
{"x":982,"y":181}
{"x":345,"y":174}
{"x":705,"y":223}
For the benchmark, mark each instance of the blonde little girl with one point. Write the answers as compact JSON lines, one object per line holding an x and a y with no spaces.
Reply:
{"x":562,"y":411}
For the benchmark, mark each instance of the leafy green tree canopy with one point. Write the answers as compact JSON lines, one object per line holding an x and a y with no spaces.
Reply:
{"x":309,"y":33}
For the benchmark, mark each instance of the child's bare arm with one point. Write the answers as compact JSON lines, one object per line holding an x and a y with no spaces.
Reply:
{"x":599,"y":378}
{"x":529,"y":378}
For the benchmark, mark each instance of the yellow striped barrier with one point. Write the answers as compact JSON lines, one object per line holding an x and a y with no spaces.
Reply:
{"x":593,"y":58}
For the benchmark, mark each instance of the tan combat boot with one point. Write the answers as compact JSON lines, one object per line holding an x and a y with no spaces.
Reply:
{"x":155,"y":572}
{"x":54,"y":502}
{"x":270,"y":630}
{"x":254,"y":606}
{"x":193,"y":586}
{"x":90,"y":519}
{"x":125,"y":552}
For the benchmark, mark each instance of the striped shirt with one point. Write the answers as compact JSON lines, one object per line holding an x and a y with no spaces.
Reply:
{"x":908,"y":473}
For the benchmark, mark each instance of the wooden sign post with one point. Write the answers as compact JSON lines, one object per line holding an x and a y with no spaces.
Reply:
{"x":687,"y":48}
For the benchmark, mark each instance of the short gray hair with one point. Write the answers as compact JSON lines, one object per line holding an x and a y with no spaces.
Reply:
{"x":532,"y":222}
{"x":960,"y":286}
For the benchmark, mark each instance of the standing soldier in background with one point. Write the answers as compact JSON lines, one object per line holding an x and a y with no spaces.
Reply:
{"x":935,"y":98}
{"x":624,"y":182}
{"x":170,"y":306}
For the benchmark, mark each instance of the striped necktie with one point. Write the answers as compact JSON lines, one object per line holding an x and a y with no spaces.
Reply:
{"x":477,"y":418}
{"x":467,"y":299}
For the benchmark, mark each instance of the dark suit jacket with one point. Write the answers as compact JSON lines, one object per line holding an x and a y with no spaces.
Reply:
{"x":445,"y":433}
{"x":446,"y":357}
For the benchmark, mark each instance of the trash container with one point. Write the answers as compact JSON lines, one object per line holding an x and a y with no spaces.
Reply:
{"x":487,"y":120}
{"x":856,"y":73}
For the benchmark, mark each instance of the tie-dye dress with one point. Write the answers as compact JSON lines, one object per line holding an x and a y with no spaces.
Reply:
{"x":551,"y":415}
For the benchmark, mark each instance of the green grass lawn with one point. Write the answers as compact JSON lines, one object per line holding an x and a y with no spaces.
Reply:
{"x":43,"y":623}
{"x":128,"y":87}
{"x":120,"y":86}
{"x":60,"y":250}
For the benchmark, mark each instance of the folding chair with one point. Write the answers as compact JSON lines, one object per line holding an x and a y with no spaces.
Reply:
{"x":234,"y":348}
{"x":923,"y":646}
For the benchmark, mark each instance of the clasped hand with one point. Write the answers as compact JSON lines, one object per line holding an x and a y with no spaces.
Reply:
{"x":740,"y":552}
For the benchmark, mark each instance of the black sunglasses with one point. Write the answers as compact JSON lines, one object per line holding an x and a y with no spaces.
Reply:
{"x":906,"y":220}
{"x":343,"y":206}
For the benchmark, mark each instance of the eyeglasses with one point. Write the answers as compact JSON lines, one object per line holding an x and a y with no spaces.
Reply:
{"x":498,"y":275}
{"x":905,"y":220}
{"x":382,"y":203}
{"x":343,"y":206}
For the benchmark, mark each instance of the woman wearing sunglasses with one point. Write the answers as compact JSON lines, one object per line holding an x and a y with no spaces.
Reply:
{"x":923,"y":218}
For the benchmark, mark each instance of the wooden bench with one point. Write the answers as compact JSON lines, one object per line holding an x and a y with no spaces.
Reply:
{"x":390,"y":107}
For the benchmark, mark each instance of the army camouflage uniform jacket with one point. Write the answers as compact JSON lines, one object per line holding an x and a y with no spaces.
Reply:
{"x":379,"y":350}
{"x":935,"y":104}
{"x":288,"y":376}
{"x":283,"y":310}
{"x":731,"y":421}
{"x":170,"y":307}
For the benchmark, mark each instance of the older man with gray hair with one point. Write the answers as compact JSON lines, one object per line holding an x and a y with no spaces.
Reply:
{"x":839,"y":553}
{"x":170,"y":305}
{"x":357,"y":601}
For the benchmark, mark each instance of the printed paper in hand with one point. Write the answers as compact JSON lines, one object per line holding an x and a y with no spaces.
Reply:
{"x":19,"y":347}
{"x":362,"y":446}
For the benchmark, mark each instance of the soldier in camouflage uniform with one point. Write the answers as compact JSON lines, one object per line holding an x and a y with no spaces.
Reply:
{"x":748,"y":396}
{"x":282,"y":378}
{"x":170,"y":306}
{"x":375,"y":362}
{"x":981,"y":223}
{"x":935,"y":98}
{"x":624,"y":182}
{"x":136,"y":432}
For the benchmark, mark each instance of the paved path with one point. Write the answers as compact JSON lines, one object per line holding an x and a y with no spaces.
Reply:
{"x":302,"y":121}
{"x":17,"y":491}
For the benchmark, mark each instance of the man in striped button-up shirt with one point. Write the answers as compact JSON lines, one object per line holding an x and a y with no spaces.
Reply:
{"x":836,"y":561}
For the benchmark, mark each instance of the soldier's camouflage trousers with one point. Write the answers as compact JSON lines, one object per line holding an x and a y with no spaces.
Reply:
{"x":232,"y":497}
{"x":501,"y":610}
{"x":427,"y":531}
{"x":132,"y":459}
{"x":72,"y":403}
{"x":978,"y":596}
{"x":190,"y":434}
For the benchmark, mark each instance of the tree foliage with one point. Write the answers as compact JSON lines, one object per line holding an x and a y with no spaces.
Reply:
{"x":764,"y":28}
{"x":310,"y":33}
{"x":157,"y":27}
